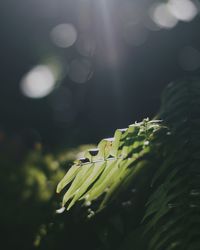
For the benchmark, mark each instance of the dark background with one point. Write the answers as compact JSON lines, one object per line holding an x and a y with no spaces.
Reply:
{"x":119,"y":91}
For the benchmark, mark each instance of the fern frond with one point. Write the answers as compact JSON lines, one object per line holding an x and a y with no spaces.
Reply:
{"x":111,"y":167}
{"x":171,"y":154}
{"x":173,"y":209}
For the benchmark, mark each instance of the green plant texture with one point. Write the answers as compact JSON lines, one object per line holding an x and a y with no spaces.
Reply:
{"x":147,"y":176}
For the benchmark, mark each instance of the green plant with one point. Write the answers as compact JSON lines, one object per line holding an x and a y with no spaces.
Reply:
{"x":152,"y":168}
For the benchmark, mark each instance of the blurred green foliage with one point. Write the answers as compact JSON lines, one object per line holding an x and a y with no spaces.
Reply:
{"x":27,"y":182}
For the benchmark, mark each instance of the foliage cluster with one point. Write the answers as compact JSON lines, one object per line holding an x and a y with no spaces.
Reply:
{"x":160,"y":162}
{"x":137,"y":190}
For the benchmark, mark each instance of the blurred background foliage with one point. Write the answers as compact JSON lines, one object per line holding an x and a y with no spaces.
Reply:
{"x":28,"y":181}
{"x":72,"y":71}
